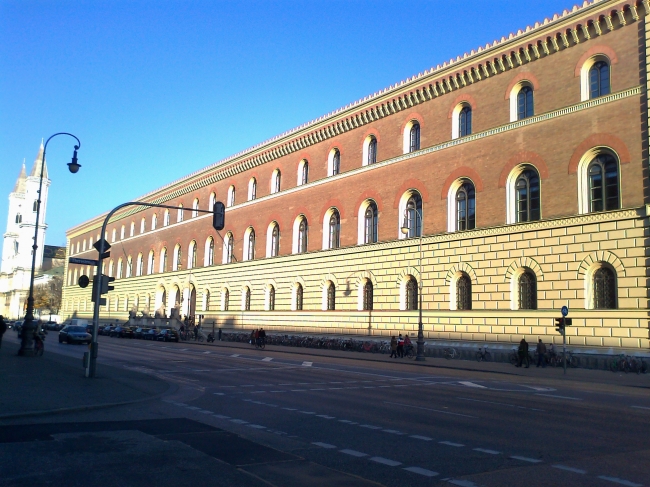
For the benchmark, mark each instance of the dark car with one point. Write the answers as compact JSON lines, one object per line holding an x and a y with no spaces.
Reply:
{"x":168,"y":335}
{"x":106,"y":331}
{"x":18,"y":326}
{"x":139,"y":332}
{"x":151,"y":334}
{"x":53,"y":326}
{"x":125,"y":332}
{"x":74,"y":334}
{"x":115,"y":332}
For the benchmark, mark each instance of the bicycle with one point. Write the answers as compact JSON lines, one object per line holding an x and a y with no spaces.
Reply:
{"x":450,"y":353}
{"x":483,"y":355}
{"x":409,"y":352}
{"x":260,"y":343}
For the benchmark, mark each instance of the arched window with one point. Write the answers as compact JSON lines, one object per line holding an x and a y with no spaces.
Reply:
{"x":114,"y":235}
{"x":227,"y":249}
{"x":299,"y":294}
{"x":250,"y":244}
{"x":191,"y":258}
{"x":527,"y":290}
{"x":118,"y":275}
{"x":110,"y":269}
{"x":150,"y":263}
{"x":413,"y":216}
{"x":139,"y":264}
{"x":143,"y":225}
{"x":603,"y":183}
{"x":225,"y":299}
{"x":247,"y":299}
{"x":132,"y":232}
{"x":121,"y":234}
{"x":303,"y":172}
{"x":252,"y":189}
{"x":19,"y":218}
{"x":370,"y":223}
{"x":271,"y":299}
{"x":179,"y":215}
{"x":331,"y":296}
{"x":302,"y":236}
{"x":599,"y":81}
{"x":209,"y":252}
{"x":414,"y":137}
{"x":367,"y":295}
{"x":275,"y":241}
{"x":527,"y":196}
{"x":195,"y":207}
{"x":466,"y":207}
{"x":178,"y":258}
{"x":334,"y":230}
{"x":604,"y":289}
{"x":334,"y":163}
{"x":464,"y":293}
{"x":370,"y":151}
{"x":163,"y":260}
{"x":230,"y":201}
{"x":276,"y":180}
{"x":525,"y":106}
{"x":213,"y":200}
{"x":465,"y":121}
{"x":35,"y":206}
{"x":411,"y":289}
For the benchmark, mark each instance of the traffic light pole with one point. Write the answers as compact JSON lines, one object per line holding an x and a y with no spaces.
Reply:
{"x":103,"y":247}
{"x":564,"y":343}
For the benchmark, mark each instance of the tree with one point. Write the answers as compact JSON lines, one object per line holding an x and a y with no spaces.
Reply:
{"x":48,"y":296}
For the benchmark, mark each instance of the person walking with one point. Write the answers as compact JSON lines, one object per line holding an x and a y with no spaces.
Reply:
{"x":219,"y":334}
{"x":3,"y":328}
{"x":541,"y":354}
{"x":408,"y":344}
{"x":393,"y":347}
{"x":523,"y":353}
{"x":262,"y":336}
{"x":252,"y":340}
{"x":400,"y":346}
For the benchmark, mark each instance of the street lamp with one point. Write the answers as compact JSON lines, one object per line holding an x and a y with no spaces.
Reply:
{"x":406,"y":229}
{"x":29,"y":328}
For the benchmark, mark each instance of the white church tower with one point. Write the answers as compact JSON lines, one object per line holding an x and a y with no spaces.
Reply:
{"x":18,"y":239}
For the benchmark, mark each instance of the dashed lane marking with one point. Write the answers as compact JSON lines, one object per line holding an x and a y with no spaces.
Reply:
{"x":238,"y":421}
{"x":307,"y":412}
{"x":421,"y":471}
{"x":345,"y":421}
{"x":325,"y":416}
{"x":319,"y":389}
{"x":471,"y":384}
{"x":218,"y":393}
{"x":620,"y":481}
{"x":307,"y":364}
{"x":451,"y":443}
{"x":429,"y":409}
{"x":267,"y":359}
{"x":526,"y":459}
{"x":393,"y":432}
{"x":463,"y":483}
{"x":290,"y":409}
{"x":385,"y":461}
{"x":235,"y":355}
{"x":323,"y":445}
{"x":221,"y":416}
{"x":498,"y":403}
{"x":570,"y":469}
{"x":370,"y":427}
{"x":256,"y":426}
{"x":485,"y":450}
{"x":560,"y":397}
{"x":640,"y":407}
{"x":353,"y":453}
{"x":418,"y":437}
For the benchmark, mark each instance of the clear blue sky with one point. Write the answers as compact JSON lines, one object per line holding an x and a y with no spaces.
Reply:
{"x":157,"y":89}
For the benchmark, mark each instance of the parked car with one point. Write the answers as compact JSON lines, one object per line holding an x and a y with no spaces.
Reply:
{"x":125,"y":332}
{"x":10,"y":325}
{"x":152,"y":334}
{"x":168,"y":335}
{"x":53,"y":326}
{"x":106,"y":331}
{"x":74,"y":334}
{"x":18,"y":326}
{"x":139,"y":332}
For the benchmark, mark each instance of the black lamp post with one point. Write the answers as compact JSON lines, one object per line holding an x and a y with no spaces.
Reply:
{"x":405,"y":230}
{"x":29,"y":327}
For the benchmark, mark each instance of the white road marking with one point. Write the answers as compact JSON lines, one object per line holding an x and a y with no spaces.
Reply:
{"x":248,"y":385}
{"x":336,"y":388}
{"x":218,"y":393}
{"x":277,"y":391}
{"x":385,"y":461}
{"x":498,"y":403}
{"x":183,"y":350}
{"x":323,"y":445}
{"x":354,"y":453}
{"x":394,"y":432}
{"x":193,"y":407}
{"x":463,"y":483}
{"x":298,"y":390}
{"x":370,"y":427}
{"x":471,"y":384}
{"x":307,"y":412}
{"x":322,"y":389}
{"x":422,"y":471}
{"x":344,"y":421}
{"x":258,"y":392}
{"x":290,"y":409}
{"x":429,"y":409}
{"x":570,"y":469}
{"x":639,"y":407}
{"x":491,"y":452}
{"x":238,"y":421}
{"x":418,"y":437}
{"x":257,"y":426}
{"x":451,"y":443}
{"x":307,"y":364}
{"x":526,"y":459}
{"x":537,"y":388}
{"x":560,"y":397}
{"x":325,"y":416}
{"x":267,"y":359}
{"x":235,"y":355}
{"x":221,"y":416}
{"x":207,"y":352}
{"x":204,"y":411}
{"x":620,"y":481}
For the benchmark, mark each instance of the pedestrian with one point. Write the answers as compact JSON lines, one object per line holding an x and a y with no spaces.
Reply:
{"x":219,"y":334}
{"x":256,"y":335}
{"x":400,"y":346}
{"x":3,"y":328}
{"x":541,"y":352}
{"x":523,"y":353}
{"x":262,"y":336}
{"x":252,"y":340}
{"x":408,"y":344}
{"x":393,"y":347}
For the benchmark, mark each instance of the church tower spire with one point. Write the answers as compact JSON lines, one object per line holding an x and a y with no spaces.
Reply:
{"x":36,"y":168}
{"x":21,"y":181}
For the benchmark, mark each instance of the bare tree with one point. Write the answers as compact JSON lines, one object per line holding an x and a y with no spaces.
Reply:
{"x":48,"y":296}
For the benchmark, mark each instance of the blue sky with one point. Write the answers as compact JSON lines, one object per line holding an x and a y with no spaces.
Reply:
{"x":156,"y":89}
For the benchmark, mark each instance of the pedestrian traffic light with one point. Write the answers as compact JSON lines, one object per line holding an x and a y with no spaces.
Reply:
{"x":219,"y":215}
{"x":559,"y":322}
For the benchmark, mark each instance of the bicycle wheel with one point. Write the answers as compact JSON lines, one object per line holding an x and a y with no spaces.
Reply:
{"x":487,"y":357}
{"x":573,"y":361}
{"x":410,"y":353}
{"x":262,"y":345}
{"x":200,"y":338}
{"x":479,"y":356}
{"x":514,"y":359}
{"x":453,"y":353}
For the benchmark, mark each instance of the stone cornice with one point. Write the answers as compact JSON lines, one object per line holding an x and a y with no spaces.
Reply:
{"x":581,"y":24}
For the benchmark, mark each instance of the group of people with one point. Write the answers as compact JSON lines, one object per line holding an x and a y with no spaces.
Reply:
{"x":541,"y":350}
{"x":258,"y":336}
{"x":399,"y":346}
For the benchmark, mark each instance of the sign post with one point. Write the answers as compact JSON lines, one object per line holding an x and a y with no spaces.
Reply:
{"x":565,"y":312}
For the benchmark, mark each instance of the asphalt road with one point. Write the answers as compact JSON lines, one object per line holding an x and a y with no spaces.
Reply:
{"x":352,"y":422}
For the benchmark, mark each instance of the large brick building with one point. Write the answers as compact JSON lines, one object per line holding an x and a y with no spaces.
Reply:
{"x":523,"y":165}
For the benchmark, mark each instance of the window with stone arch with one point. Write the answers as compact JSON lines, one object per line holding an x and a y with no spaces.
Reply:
{"x":523,"y":195}
{"x":369,"y":150}
{"x":249,"y":244}
{"x":411,"y":294}
{"x":368,"y":222}
{"x":110,"y":269}
{"x":177,"y":262}
{"x":212,"y":201}
{"x":526,"y":289}
{"x":525,"y":103}
{"x":330,"y":296}
{"x":246,"y":299}
{"x":303,"y":172}
{"x":230,"y":200}
{"x":332,"y":229}
{"x":132,"y":232}
{"x":463,"y":292}
{"x":19,"y":218}
{"x":118,"y":274}
{"x":151,"y":263}
{"x":143,"y":225}
{"x":227,"y":249}
{"x":191,"y":255}
{"x":334,"y":162}
{"x":297,"y":297}
{"x":604,"y":287}
{"x":208,"y":259}
{"x":122,"y":230}
{"x":273,"y":240}
{"x":179,"y":215}
{"x":410,"y":215}
{"x":129,"y":267}
{"x":300,"y":235}
{"x":154,"y":221}
{"x":367,"y":291}
{"x":462,"y":206}
{"x":598,"y":181}
{"x":270,"y":298}
{"x":163,"y":260}
{"x":595,"y":77}
{"x":206,"y":300}
{"x":276,"y":181}
{"x":411,"y":141}
{"x":252,"y":189}
{"x":461,"y":120}
{"x":195,"y":207}
{"x":113,"y":238}
{"x":225,"y":299}
{"x":139,"y":265}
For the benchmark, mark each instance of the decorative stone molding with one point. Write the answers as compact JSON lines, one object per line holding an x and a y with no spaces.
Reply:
{"x":521,"y":263}
{"x":601,"y":256}
{"x":462,"y":267}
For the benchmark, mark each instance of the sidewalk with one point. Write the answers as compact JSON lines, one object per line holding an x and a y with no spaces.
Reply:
{"x":54,"y":383}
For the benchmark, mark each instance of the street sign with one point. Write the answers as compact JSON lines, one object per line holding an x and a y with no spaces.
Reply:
{"x":98,"y":243}
{"x":74,"y":260}
{"x":565,"y":311}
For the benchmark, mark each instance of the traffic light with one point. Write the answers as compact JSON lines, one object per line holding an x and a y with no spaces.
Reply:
{"x":559,"y":322}
{"x":219,"y":215}
{"x":105,"y":284}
